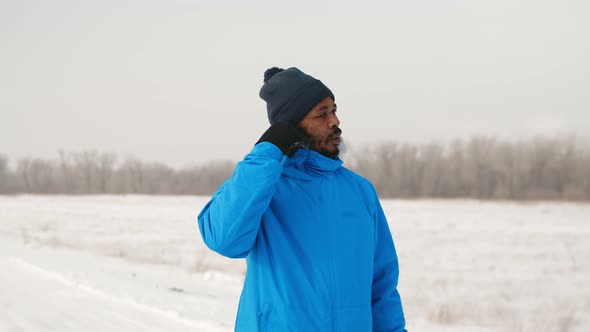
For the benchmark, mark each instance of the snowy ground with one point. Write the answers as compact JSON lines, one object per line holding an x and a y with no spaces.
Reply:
{"x":136,"y":263}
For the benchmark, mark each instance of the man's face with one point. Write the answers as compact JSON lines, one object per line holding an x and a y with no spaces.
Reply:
{"x":321,"y":125}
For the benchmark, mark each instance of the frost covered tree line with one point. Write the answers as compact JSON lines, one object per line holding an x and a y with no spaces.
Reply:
{"x":95,"y":172}
{"x":541,"y":168}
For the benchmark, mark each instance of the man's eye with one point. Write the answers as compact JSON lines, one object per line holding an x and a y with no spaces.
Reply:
{"x":323,"y":115}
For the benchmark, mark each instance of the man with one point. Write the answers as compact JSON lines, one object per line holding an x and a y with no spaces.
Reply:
{"x":318,"y":249}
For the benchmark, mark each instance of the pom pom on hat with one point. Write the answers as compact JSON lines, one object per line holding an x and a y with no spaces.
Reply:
{"x":270,"y":72}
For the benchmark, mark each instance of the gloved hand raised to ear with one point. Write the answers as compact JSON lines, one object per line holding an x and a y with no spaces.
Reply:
{"x":286,"y":137}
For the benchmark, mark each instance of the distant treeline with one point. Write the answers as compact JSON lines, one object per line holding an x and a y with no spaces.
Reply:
{"x":480,"y":167}
{"x":94,"y":172}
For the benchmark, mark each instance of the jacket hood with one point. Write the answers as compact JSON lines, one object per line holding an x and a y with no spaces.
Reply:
{"x":307,"y":164}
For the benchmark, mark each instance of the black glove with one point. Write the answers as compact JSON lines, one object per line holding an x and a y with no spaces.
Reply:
{"x":286,"y":137}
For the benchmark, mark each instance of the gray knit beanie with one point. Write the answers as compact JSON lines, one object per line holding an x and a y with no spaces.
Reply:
{"x":290,"y":94}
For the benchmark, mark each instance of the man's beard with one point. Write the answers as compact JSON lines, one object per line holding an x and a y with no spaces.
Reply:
{"x":329,"y":153}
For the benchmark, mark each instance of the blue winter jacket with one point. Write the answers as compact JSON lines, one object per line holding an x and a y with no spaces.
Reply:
{"x":318,"y":249}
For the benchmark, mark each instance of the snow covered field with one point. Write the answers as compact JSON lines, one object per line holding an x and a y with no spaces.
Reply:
{"x":137,"y":263}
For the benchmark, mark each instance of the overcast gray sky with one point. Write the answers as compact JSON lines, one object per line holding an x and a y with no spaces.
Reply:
{"x":178,"y":81}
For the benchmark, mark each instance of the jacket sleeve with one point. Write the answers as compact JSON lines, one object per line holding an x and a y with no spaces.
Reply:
{"x":229,"y":222}
{"x":386,"y":303}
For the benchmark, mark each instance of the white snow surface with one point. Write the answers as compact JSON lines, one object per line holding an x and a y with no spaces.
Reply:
{"x":137,"y":263}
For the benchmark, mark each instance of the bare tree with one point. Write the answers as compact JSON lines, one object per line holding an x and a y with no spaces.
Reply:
{"x":4,"y":187}
{"x":105,"y":169}
{"x":36,"y":174}
{"x":66,"y":174}
{"x":23,"y":169}
{"x":86,"y":165}
{"x":132,"y":170}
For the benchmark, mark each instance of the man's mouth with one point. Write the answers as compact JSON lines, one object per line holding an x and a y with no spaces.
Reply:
{"x":335,"y":139}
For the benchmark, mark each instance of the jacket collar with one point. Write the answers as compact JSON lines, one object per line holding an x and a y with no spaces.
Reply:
{"x":307,"y":164}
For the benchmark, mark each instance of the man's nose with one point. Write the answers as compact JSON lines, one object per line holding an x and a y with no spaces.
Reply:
{"x":334,"y":121}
